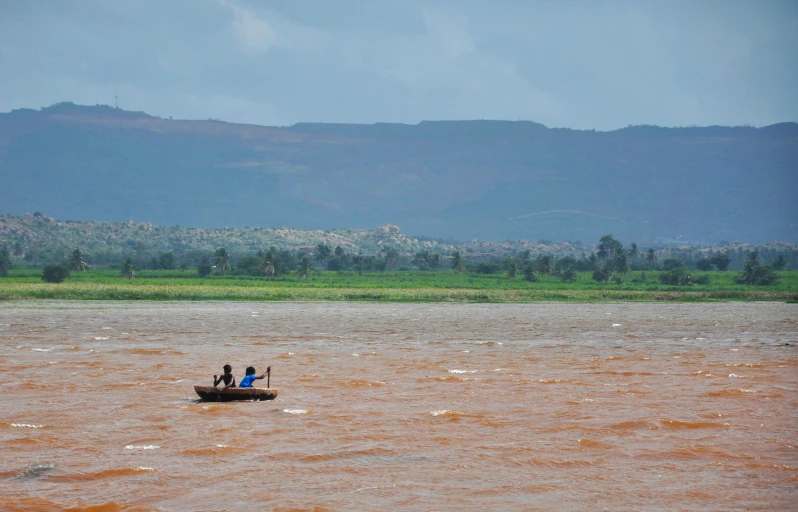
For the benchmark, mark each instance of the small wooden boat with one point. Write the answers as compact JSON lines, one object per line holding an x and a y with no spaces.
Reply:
{"x":212,"y":394}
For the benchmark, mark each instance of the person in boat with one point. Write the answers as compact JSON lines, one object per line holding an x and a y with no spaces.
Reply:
{"x":247,"y":381}
{"x":227,"y":377}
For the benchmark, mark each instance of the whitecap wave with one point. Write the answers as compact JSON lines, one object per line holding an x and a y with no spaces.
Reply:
{"x":444,"y":412}
{"x":101,"y":338}
{"x":462,"y":371}
{"x":295,"y":411}
{"x":26,"y":425}
{"x":141,"y":447}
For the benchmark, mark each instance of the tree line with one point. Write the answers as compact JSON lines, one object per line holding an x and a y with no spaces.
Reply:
{"x":611,"y":262}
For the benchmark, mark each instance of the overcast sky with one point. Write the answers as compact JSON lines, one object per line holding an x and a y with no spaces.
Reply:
{"x":579,"y":64}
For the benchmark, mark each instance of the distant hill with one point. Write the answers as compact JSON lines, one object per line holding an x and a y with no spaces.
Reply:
{"x":490,"y":180}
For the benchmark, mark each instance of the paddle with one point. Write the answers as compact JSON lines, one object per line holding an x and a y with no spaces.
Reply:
{"x":268,"y":376}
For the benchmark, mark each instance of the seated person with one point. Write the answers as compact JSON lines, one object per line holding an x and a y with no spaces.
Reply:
{"x":246,"y":382}
{"x":229,"y":380}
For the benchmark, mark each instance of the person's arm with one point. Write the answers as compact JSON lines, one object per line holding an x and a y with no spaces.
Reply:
{"x":264,"y":374}
{"x":217,"y":380}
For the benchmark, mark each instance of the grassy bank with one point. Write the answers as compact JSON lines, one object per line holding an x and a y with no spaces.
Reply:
{"x":405,"y":286}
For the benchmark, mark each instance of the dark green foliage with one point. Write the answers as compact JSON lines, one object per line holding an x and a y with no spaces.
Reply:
{"x":457,"y":262}
{"x":543,"y":264}
{"x":701,"y":279}
{"x":55,"y":273}
{"x":322,"y":253}
{"x":672,"y":264}
{"x":756,"y":274}
{"x":608,"y":247}
{"x":490,"y":267}
{"x":128,"y":270}
{"x":250,"y":265}
{"x":304,"y":268}
{"x":426,"y":260}
{"x":780,"y":263}
{"x":569,"y":275}
{"x":339,"y":260}
{"x":721,"y":261}
{"x":204,"y":269}
{"x":76,"y":262}
{"x":222,"y":260}
{"x":166,"y":261}
{"x":703,"y":264}
{"x":512,"y":268}
{"x":602,"y":273}
{"x":677,"y":276}
{"x":5,"y":262}
{"x":529,"y":272}
{"x":391,"y":255}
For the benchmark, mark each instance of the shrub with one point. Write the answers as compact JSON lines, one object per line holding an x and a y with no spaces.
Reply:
{"x":672,"y":264}
{"x":5,"y":262}
{"x":488,"y":268}
{"x":677,"y":277}
{"x":702,"y":279}
{"x":703,"y":264}
{"x":204,"y":269}
{"x":55,"y":273}
{"x":721,"y":261}
{"x":529,"y":272}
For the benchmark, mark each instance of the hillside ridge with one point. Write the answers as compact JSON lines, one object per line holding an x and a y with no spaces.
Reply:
{"x":485,"y":179}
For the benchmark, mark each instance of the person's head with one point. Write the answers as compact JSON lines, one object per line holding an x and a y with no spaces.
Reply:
{"x":250,"y":370}
{"x":227,"y":368}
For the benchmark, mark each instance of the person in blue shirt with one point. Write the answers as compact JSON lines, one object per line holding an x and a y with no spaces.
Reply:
{"x":246,"y":382}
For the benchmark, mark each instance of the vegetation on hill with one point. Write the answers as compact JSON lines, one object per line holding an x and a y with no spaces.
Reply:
{"x":37,"y":239}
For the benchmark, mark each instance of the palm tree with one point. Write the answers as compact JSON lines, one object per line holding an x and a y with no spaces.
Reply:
{"x":544,"y":264}
{"x":620,"y":262}
{"x":391,"y":255}
{"x":76,"y":262}
{"x":222,"y":260}
{"x":650,"y":256}
{"x":457,"y":262}
{"x":268,"y":267}
{"x":323,"y":252}
{"x":633,"y":251}
{"x":127,"y":269}
{"x":512,"y":268}
{"x":357,"y":262}
{"x":303,"y":268}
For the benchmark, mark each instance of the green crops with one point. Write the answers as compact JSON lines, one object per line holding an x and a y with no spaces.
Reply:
{"x":201,"y":292}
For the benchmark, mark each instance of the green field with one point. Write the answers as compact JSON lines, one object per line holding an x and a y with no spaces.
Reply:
{"x":400,"y":286}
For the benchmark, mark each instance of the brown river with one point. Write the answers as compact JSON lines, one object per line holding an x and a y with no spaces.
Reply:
{"x":400,"y":407}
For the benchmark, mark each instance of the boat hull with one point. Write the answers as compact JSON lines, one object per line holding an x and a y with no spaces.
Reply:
{"x":212,"y":394}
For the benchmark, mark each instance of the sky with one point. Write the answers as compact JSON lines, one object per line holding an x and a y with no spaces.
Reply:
{"x":586,"y":64}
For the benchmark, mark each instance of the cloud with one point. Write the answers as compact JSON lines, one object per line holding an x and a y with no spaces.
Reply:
{"x":576,"y":64}
{"x":450,"y":29}
{"x":254,"y":33}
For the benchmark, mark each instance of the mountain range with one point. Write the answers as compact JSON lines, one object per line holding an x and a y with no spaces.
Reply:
{"x":454,"y":180}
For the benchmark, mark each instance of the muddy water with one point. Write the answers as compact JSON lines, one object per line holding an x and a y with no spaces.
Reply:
{"x":403,"y":407}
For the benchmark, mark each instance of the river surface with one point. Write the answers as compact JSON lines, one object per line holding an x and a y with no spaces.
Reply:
{"x":400,"y":406}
